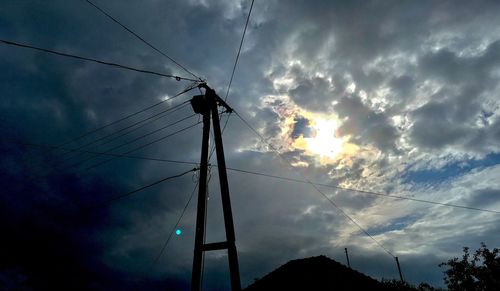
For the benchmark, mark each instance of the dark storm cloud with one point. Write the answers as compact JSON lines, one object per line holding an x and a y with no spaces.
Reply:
{"x":402,"y":85}
{"x":45,"y":231}
{"x":366,"y":125}
{"x":436,"y":126}
{"x":450,"y":117}
{"x":48,"y":235}
{"x":449,"y":67}
{"x":485,"y":139}
{"x":313,"y":94}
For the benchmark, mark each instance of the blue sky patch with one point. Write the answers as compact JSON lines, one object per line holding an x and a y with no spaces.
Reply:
{"x":450,"y":171}
{"x":397,"y":224}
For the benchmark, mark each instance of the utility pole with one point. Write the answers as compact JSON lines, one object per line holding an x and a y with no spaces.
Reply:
{"x":399,"y":269}
{"x":347,"y":257}
{"x":207,"y":105}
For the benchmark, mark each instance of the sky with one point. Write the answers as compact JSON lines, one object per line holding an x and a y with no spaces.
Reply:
{"x":393,"y":97}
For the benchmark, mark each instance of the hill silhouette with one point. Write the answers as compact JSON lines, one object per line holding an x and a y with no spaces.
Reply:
{"x":316,"y":273}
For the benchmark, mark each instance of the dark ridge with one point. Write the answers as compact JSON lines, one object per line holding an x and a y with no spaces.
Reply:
{"x":316,"y":273}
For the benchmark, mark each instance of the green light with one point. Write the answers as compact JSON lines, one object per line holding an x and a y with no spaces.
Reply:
{"x":178,"y":232}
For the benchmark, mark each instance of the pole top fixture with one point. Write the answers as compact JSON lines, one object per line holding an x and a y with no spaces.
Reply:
{"x":210,"y":94}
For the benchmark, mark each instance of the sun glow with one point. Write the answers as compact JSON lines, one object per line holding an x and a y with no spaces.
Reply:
{"x":313,"y":137}
{"x":323,"y":140}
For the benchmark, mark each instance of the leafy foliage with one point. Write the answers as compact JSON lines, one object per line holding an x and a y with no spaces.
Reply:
{"x":397,"y":285}
{"x":477,"y":272}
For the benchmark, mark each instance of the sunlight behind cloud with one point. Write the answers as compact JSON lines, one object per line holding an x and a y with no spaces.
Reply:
{"x":321,"y":139}
{"x":324,"y":141}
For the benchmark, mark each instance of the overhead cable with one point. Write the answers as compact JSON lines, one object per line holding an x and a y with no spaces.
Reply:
{"x":145,"y":145}
{"x":174,"y":228}
{"x":112,"y":154}
{"x":397,"y":197}
{"x":119,"y":66}
{"x":133,"y":127}
{"x":352,"y":220}
{"x":239,"y":51}
{"x":145,"y":187}
{"x":134,"y":140}
{"x":314,"y":186}
{"x":140,"y":38}
{"x":126,"y":117}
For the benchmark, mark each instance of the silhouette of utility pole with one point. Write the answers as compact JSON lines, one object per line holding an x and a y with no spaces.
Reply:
{"x":399,"y":269}
{"x":347,"y":257}
{"x":207,"y":105}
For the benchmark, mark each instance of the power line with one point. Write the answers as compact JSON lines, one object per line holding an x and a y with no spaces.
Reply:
{"x":280,"y":178}
{"x":112,"y":154}
{"x":239,"y":51}
{"x":134,"y":140}
{"x":351,"y":219}
{"x":77,"y":150}
{"x":119,"y":66}
{"x":412,"y":199}
{"x":139,"y":127}
{"x":266,"y":175}
{"x":125,"y":117}
{"x":144,"y":122}
{"x":397,"y":197}
{"x":315,"y":187}
{"x":145,"y":145}
{"x":364,"y":191}
{"x":253,"y":129}
{"x":162,"y":250}
{"x":145,"y":187}
{"x":140,"y":38}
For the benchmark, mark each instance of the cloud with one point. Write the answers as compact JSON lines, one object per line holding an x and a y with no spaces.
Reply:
{"x":314,"y":94}
{"x":485,"y":197}
{"x":365,"y":125}
{"x":412,"y":85}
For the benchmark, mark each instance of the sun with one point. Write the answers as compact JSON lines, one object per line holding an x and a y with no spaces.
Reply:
{"x":322,"y":141}
{"x":317,"y":136}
